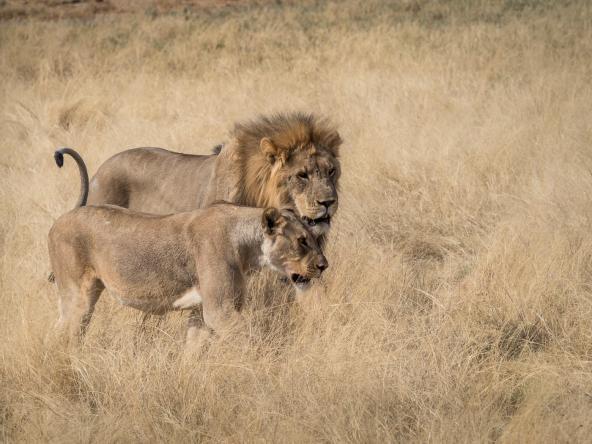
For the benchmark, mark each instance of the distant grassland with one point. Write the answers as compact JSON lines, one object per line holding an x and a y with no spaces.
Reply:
{"x":458,"y":302}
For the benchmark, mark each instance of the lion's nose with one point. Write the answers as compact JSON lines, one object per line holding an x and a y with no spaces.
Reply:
{"x":326,"y":203}
{"x":322,"y":264}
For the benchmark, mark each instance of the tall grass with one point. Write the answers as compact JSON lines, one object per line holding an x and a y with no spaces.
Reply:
{"x":458,"y":302}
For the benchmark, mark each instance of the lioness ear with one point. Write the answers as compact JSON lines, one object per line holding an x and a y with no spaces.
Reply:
{"x":270,"y":220}
{"x":269,"y":149}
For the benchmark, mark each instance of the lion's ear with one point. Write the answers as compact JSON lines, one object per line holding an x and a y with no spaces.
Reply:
{"x":271,"y":220}
{"x":269,"y":149}
{"x":333,"y":142}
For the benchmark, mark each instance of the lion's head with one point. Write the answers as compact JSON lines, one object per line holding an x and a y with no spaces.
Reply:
{"x":291,"y":161}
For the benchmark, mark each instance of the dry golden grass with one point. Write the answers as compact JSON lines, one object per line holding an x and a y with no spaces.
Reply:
{"x":459,"y":299}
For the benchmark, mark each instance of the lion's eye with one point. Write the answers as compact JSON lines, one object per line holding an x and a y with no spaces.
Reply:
{"x":332,"y":172}
{"x":303,"y":175}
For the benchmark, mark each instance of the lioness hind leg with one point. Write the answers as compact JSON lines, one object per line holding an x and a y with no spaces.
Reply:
{"x":92,"y":292}
{"x":77,"y":306}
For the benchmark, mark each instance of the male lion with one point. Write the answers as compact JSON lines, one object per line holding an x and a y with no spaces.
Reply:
{"x":187,"y":261}
{"x":284,"y":161}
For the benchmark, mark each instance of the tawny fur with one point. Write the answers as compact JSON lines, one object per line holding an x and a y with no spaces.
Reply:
{"x":194,"y":260}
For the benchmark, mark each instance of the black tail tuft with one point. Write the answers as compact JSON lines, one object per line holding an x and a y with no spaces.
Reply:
{"x":216,"y":150}
{"x":59,"y":158}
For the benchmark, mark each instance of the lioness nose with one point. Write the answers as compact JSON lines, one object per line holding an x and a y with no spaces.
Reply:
{"x":322,"y":264}
{"x":326,"y":203}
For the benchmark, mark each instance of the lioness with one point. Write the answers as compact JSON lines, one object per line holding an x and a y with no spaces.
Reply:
{"x":283,"y":161}
{"x":184,"y":261}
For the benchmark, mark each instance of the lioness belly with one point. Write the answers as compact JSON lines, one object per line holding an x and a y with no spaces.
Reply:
{"x":184,"y":301}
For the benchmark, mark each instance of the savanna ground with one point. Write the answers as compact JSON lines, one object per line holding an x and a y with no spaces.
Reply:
{"x":458,"y":304}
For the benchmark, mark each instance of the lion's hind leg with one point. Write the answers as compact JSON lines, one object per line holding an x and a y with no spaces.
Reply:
{"x":108,"y":188}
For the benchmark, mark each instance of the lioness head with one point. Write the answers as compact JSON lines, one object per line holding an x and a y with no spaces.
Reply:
{"x":290,"y":248}
{"x":291,"y":161}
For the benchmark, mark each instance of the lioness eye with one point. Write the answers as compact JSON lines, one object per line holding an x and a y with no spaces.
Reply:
{"x":303,"y":175}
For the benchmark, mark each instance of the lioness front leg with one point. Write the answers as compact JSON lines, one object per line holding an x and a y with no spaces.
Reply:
{"x":198,"y":332}
{"x":222,"y":292}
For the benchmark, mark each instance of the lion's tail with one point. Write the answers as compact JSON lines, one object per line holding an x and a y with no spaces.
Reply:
{"x":59,"y":160}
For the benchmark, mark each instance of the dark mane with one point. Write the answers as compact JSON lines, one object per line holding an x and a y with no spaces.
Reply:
{"x":288,"y":131}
